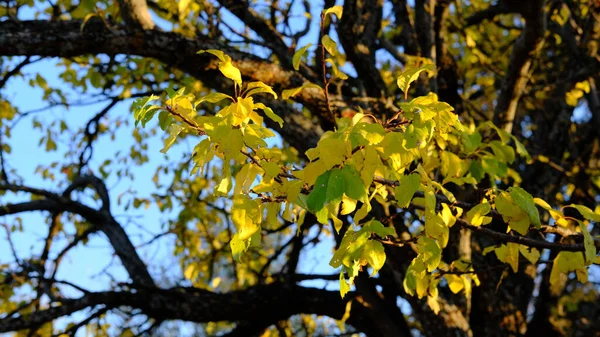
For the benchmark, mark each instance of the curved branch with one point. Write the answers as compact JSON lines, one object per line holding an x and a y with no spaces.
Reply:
{"x":65,"y":39}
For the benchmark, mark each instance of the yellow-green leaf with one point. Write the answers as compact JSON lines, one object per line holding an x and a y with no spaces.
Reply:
{"x":298,"y":56}
{"x":476,"y":215}
{"x":254,"y":88}
{"x":564,"y":263}
{"x":408,"y":185}
{"x":214,"y":97}
{"x":295,"y":91}
{"x":374,"y":253}
{"x":411,"y":75}
{"x":269,"y":113}
{"x":329,"y":45}
{"x":586,"y":212}
{"x":430,"y":251}
{"x":509,"y":253}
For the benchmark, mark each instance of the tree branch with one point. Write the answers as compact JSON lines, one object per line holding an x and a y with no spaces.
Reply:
{"x":271,"y":302}
{"x":102,"y":219}
{"x":65,"y":39}
{"x":359,"y":28}
{"x":529,"y":43}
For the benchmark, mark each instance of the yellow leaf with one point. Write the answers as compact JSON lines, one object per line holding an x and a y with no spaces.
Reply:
{"x":337,"y":10}
{"x":476,"y":215}
{"x":564,"y":263}
{"x":455,"y":283}
{"x":509,"y":253}
{"x":348,"y":205}
{"x":531,"y":254}
{"x":221,"y":55}
{"x":246,"y":216}
{"x":313,"y":170}
{"x":231,"y":72}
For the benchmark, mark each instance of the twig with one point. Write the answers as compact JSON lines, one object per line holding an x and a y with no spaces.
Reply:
{"x":324,"y":68}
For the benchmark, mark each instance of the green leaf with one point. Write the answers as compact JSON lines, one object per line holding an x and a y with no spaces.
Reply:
{"x":329,"y":45}
{"x":588,"y":243}
{"x":476,"y":215}
{"x":335,"y":71}
{"x":503,"y":152}
{"x":521,"y":150}
{"x":436,"y":228}
{"x":165,"y":120}
{"x":298,"y":56}
{"x":525,"y":201}
{"x":471,"y":141}
{"x":329,"y":187}
{"x":408,"y":185}
{"x":378,"y":228}
{"x":295,"y":91}
{"x":140,"y":109}
{"x":353,"y":184}
{"x":411,"y":75}
{"x":415,"y":278}
{"x":337,"y":10}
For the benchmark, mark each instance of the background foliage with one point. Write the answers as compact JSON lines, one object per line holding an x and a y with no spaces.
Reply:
{"x":440,"y":156}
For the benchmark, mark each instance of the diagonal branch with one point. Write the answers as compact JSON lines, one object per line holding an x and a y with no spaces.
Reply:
{"x":358,"y":33}
{"x":407,"y":36}
{"x":487,"y":14}
{"x":263,"y":28}
{"x":528,"y":44}
{"x":102,"y":219}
